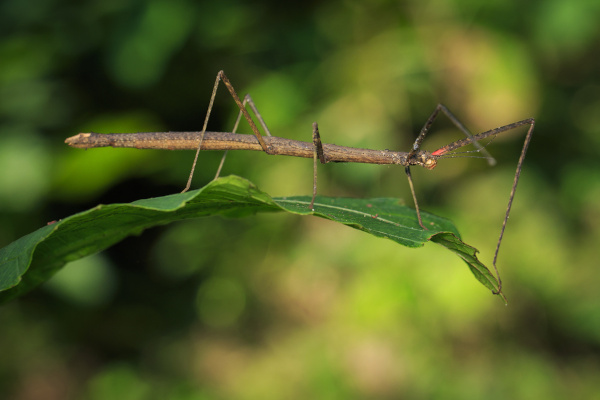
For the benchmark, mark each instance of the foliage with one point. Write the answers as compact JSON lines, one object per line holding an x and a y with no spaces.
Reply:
{"x":34,"y":258}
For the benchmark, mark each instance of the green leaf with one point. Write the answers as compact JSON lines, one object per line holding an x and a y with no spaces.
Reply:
{"x":34,"y":258}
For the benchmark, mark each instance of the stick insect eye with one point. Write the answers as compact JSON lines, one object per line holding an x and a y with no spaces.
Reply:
{"x":430,"y":163}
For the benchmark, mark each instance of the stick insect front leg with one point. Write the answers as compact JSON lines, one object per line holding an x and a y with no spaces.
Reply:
{"x":491,"y":133}
{"x":417,"y":146}
{"x":241,"y":105}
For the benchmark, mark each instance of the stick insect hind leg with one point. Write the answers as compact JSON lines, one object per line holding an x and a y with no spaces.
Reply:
{"x":417,"y":146}
{"x":241,"y":105}
{"x":247,"y":100}
{"x":243,"y":111}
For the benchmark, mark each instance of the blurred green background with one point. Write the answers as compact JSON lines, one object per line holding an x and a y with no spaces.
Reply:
{"x":277,"y":306}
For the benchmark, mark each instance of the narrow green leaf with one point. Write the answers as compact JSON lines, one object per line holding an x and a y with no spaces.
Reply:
{"x":34,"y":258}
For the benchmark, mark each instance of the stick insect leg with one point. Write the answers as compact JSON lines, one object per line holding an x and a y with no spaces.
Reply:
{"x":317,"y":155}
{"x":210,"y":105}
{"x":440,"y":107}
{"x":247,"y":100}
{"x":221,"y":76}
{"x":491,"y":160}
{"x":412,"y":190}
{"x":492,"y":132}
{"x":417,"y":146}
{"x":512,"y":192}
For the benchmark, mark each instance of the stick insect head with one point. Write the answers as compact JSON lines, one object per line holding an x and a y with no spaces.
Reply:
{"x":424,"y":159}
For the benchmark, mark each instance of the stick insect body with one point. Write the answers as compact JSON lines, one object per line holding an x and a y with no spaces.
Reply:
{"x":323,"y":153}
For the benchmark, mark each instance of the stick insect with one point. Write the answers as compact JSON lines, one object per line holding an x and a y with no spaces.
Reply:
{"x":319,"y":152}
